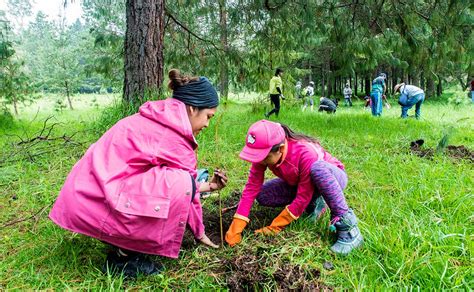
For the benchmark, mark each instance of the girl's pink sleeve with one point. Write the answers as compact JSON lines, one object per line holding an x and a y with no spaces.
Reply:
{"x":252,"y":188}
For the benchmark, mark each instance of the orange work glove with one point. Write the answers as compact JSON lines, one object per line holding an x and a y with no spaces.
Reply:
{"x":234,"y":234}
{"x":278,"y":223}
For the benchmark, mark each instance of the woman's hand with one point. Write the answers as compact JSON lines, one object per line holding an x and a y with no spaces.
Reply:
{"x":218,"y":181}
{"x":205,"y":240}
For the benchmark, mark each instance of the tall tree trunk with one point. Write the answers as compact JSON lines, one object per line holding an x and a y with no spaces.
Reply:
{"x":323,"y":85}
{"x":330,"y":85}
{"x":143,"y":49}
{"x":15,"y":105}
{"x":439,"y":87}
{"x":355,"y":85}
{"x":367,"y":85}
{"x":422,"y":81}
{"x":416,"y":79}
{"x":224,"y":78}
{"x":66,"y":85}
{"x":430,"y":87}
{"x":406,"y":78}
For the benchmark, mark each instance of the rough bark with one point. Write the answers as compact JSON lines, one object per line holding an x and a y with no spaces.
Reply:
{"x":422,"y":81}
{"x":367,"y":85}
{"x":143,"y":49}
{"x":430,"y":87}
{"x":323,"y":85}
{"x":439,"y":87}
{"x":355,"y":84}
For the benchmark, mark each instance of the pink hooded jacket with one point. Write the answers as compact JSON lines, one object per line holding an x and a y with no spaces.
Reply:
{"x":133,"y":187}
{"x":295,"y":169}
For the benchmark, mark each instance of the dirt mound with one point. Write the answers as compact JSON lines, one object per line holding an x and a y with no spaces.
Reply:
{"x":291,"y":277}
{"x":245,"y":273}
{"x":253,"y":268}
{"x":259,"y":216}
{"x":460,"y":152}
{"x":454,"y":152}
{"x":249,"y":272}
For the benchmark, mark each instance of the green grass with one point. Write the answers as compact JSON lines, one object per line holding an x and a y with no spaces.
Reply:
{"x":415,"y":213}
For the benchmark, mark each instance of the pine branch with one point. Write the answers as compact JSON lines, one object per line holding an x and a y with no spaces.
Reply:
{"x":168,"y":13}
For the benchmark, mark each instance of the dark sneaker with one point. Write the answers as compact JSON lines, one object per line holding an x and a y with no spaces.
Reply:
{"x":131,"y":266}
{"x":348,"y":234}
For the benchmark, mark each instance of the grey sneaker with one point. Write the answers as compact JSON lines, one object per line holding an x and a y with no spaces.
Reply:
{"x":317,"y":208}
{"x":348,"y":234}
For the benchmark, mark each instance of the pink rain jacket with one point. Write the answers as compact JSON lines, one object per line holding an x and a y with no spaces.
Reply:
{"x":295,"y":169}
{"x":133,"y":187}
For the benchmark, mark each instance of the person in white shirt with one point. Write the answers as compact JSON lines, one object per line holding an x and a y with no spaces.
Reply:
{"x":410,"y":95}
{"x":298,"y":90}
{"x":308,"y":95}
{"x":347,"y":95}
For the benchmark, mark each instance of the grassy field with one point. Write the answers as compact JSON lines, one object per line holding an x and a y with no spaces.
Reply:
{"x":415,"y":212}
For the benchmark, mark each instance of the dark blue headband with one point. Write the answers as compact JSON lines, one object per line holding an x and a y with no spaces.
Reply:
{"x":199,"y":93}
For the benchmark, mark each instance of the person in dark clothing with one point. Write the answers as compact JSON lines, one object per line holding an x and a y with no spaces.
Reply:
{"x":327,"y":105}
{"x":276,"y":92}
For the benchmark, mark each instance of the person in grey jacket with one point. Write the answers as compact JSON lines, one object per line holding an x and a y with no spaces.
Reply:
{"x":410,"y":95}
{"x":347,"y":95}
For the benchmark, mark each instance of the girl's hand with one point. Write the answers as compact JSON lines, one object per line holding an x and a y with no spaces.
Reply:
{"x":205,"y":240}
{"x":218,"y":181}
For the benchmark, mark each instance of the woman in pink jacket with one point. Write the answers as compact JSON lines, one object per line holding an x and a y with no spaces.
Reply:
{"x":306,"y":173}
{"x":136,"y":188}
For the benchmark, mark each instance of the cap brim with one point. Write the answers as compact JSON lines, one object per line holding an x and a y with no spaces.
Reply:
{"x":254,"y":155}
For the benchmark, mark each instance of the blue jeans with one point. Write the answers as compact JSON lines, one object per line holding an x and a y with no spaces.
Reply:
{"x":376,"y":97}
{"x":416,"y":100}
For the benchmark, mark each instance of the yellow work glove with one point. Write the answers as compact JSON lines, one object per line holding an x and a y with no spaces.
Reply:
{"x":233,"y":236}
{"x":282,"y":220}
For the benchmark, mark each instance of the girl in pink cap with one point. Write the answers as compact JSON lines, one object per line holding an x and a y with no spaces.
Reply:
{"x":307,"y":175}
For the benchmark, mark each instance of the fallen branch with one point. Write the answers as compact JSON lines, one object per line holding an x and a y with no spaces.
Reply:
{"x":30,"y":147}
{"x":38,"y":213}
{"x":227,"y":209}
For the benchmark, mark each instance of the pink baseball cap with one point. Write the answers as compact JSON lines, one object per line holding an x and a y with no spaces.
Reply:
{"x":261,"y":137}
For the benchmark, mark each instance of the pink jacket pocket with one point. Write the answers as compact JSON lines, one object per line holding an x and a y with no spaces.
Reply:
{"x":143,"y":205}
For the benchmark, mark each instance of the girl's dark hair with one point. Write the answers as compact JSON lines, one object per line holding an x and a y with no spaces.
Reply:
{"x":291,"y":135}
{"x":278,"y":71}
{"x":177,"y":79}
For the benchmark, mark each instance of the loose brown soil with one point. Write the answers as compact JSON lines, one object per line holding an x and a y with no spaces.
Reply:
{"x":252,"y":268}
{"x":460,"y":152}
{"x":259,"y":216}
{"x":455,"y":152}
{"x":292,"y":277}
{"x":248,"y":272}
